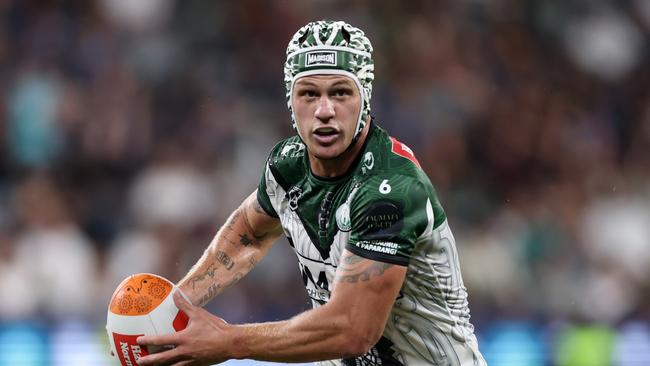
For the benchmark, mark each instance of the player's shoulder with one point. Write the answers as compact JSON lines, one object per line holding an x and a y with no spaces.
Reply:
{"x":287,"y":160}
{"x":381,"y":203}
{"x":391,"y":178}
{"x":390,"y":171}
{"x":386,"y":156}
{"x":288,"y":150}
{"x":395,"y":185}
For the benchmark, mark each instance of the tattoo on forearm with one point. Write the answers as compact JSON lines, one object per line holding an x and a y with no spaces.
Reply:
{"x":209,"y":272}
{"x":355,"y":269}
{"x":251,"y":263}
{"x":216,"y":287}
{"x":238,"y":276}
{"x":224,"y":259}
{"x":212,"y":292}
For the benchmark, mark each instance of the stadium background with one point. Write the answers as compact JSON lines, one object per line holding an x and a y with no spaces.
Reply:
{"x":130,"y":129}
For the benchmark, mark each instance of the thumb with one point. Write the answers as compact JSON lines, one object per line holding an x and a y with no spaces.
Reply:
{"x":182,"y":303}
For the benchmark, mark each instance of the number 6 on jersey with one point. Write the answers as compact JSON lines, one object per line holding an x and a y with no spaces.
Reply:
{"x":384,"y":187}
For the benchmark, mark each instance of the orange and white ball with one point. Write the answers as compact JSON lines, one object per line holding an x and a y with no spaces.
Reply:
{"x":141,"y":305}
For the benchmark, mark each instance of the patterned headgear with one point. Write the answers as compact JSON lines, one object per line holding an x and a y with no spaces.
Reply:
{"x":334,"y":48}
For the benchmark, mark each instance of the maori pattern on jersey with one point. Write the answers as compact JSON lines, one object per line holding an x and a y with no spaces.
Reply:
{"x":386,"y":210}
{"x":381,"y":354}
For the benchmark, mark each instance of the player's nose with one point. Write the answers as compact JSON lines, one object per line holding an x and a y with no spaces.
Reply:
{"x":325,"y":110}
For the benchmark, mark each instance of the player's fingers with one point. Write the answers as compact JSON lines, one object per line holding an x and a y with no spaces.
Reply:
{"x":170,"y":357}
{"x":186,"y":363}
{"x":159,"y":340}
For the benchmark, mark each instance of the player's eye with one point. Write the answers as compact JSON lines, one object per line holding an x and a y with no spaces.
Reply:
{"x":307,"y":93}
{"x":341,"y":92}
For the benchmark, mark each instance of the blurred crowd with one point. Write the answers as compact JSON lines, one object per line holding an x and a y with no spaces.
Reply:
{"x":129,"y":130}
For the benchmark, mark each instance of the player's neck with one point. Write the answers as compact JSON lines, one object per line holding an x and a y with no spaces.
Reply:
{"x":332,"y":168}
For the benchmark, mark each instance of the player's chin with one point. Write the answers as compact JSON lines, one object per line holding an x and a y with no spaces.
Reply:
{"x":330,"y":152}
{"x":325,"y":150}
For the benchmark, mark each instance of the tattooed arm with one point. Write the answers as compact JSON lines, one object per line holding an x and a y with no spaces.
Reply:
{"x":347,"y":326}
{"x":363,"y":295}
{"x":240,"y":243}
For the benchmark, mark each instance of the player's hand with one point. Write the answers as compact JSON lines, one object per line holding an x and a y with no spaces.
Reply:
{"x":202,"y":342}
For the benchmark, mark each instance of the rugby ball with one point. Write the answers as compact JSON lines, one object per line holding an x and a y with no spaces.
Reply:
{"x":141,"y":305}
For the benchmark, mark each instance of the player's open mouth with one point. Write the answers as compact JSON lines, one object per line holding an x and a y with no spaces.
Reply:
{"x":326,"y":135}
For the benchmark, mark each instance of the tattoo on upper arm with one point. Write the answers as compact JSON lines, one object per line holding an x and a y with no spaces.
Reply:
{"x":352,"y":259}
{"x":354,"y":269}
{"x":248,"y":236}
{"x":245,"y":240}
{"x":231,"y":222}
{"x":258,"y":208}
{"x":255,"y":238}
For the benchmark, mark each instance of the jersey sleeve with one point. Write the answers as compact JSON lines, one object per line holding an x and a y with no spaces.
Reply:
{"x":265,"y":192}
{"x":387,"y":215}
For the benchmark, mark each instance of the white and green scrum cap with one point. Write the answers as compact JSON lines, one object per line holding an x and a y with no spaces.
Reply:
{"x":335,"y":48}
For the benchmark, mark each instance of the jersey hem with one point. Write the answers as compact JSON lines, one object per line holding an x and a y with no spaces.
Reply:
{"x":269,"y":210}
{"x":380,"y":257}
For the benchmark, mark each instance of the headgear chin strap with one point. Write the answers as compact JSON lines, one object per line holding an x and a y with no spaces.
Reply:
{"x":331,"y":48}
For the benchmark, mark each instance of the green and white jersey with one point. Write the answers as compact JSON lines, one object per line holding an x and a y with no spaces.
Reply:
{"x":384,"y":209}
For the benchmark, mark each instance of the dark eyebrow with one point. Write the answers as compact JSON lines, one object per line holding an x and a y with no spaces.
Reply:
{"x":305,"y":83}
{"x":337,"y":83}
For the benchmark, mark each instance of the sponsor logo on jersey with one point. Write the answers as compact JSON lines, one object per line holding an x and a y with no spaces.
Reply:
{"x":368,"y":162}
{"x":294,"y":195}
{"x":321,"y":58}
{"x":343,"y":217}
{"x":295,"y":149}
{"x":403,"y":151}
{"x":384,"y":219}
{"x":384,"y":247}
{"x":382,"y":353}
{"x":315,"y":279}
